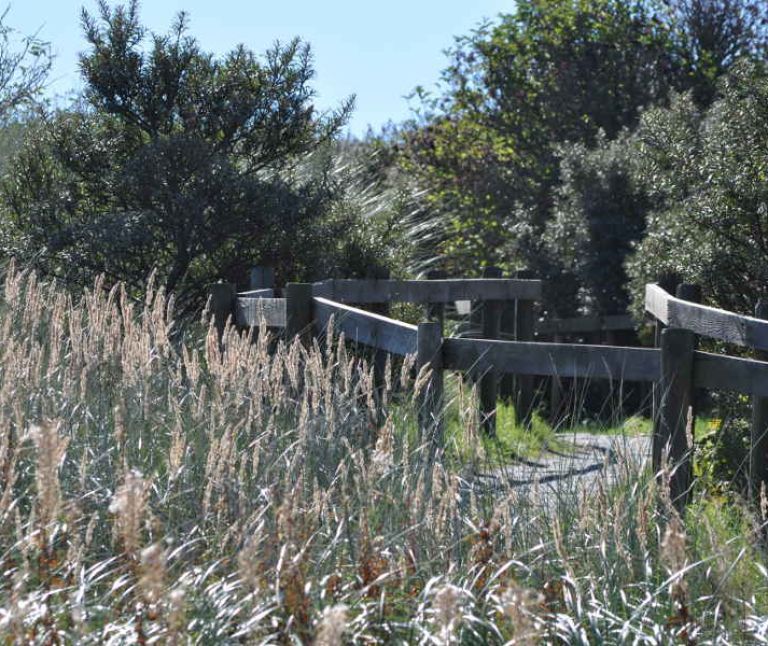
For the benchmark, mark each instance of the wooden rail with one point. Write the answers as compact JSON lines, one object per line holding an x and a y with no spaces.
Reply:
{"x":250,"y":311}
{"x":675,"y":367}
{"x":431,"y":291}
{"x":364,"y":327}
{"x":706,"y":321}
{"x":552,"y":359}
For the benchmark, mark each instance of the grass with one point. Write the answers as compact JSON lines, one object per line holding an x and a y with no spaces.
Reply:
{"x":156,"y":489}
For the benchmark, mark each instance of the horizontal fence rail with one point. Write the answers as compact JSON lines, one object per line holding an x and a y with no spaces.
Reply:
{"x":251,"y":311}
{"x":364,"y":327}
{"x":266,"y":292}
{"x":706,"y":321}
{"x":586,"y":324}
{"x":551,"y":359}
{"x":718,"y":372}
{"x":432,"y":291}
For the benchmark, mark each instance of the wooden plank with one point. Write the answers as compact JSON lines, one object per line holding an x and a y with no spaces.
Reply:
{"x":673,"y":429}
{"x":250,"y":311}
{"x":428,"y":291}
{"x":298,"y":312}
{"x":488,"y":388}
{"x":758,"y":446}
{"x":719,"y":372}
{"x":258,"y":293}
{"x":429,"y":353}
{"x":222,"y":303}
{"x":707,"y":321}
{"x":586,"y":324}
{"x":550,"y":359}
{"x":657,"y":302}
{"x":365,"y":327}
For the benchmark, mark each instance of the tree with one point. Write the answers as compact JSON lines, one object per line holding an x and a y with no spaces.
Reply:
{"x":174,"y":159}
{"x":554,"y":71}
{"x":599,"y":214}
{"x":24,"y":65}
{"x":552,"y":77}
{"x":707,"y":179}
{"x":710,"y":36}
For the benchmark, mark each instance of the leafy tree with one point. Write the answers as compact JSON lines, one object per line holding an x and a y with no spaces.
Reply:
{"x":24,"y":65}
{"x":175,"y":159}
{"x":599,"y":214}
{"x":710,"y":36}
{"x":554,"y":71}
{"x":555,"y":74}
{"x":707,"y":178}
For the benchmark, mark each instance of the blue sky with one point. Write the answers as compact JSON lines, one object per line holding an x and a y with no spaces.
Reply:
{"x":378,"y":51}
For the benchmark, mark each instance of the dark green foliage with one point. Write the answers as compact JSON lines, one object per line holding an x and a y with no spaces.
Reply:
{"x":707,"y":178}
{"x":554,"y":74}
{"x":553,"y":71}
{"x":197,"y":166}
{"x":599,"y":214}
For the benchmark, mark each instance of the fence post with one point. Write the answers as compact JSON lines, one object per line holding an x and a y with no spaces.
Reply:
{"x":675,"y":419}
{"x":262,"y":277}
{"x":223,"y":300}
{"x":758,"y":448}
{"x":436,"y":311}
{"x":489,"y":383}
{"x":379,"y":356}
{"x":524,"y":331}
{"x":556,"y":413}
{"x":298,"y":311}
{"x":429,"y":352}
{"x":507,"y":381}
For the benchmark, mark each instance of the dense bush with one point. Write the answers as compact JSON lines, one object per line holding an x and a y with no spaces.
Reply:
{"x":599,"y":213}
{"x":707,"y":179}
{"x":195,"y":166}
{"x":555,"y":73}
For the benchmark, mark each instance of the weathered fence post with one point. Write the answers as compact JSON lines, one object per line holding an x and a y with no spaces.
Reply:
{"x":436,"y":311}
{"x":298,"y":311}
{"x":675,"y":420}
{"x":507,"y":332}
{"x":758,"y":448}
{"x":489,"y":383}
{"x":429,"y":344}
{"x":556,"y":413}
{"x":223,"y":301}
{"x":379,"y":356}
{"x":262,"y":277}
{"x":524,"y":331}
{"x":668,"y":283}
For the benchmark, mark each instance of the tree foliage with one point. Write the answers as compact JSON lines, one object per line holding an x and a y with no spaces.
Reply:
{"x":175,"y":159}
{"x":543,"y":87}
{"x":707,"y":179}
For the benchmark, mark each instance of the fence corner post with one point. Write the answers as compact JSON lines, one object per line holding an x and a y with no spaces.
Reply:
{"x":489,"y":382}
{"x":525,"y":324}
{"x":675,"y":419}
{"x":223,"y":300}
{"x":758,"y":446}
{"x":429,"y":352}
{"x":298,"y":311}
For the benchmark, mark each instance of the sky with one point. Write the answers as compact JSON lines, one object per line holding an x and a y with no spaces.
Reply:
{"x":378,"y":51}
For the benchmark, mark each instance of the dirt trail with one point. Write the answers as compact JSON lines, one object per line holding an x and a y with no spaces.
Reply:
{"x":590,"y":459}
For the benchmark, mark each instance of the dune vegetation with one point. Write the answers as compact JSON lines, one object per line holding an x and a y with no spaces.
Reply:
{"x":155,"y":488}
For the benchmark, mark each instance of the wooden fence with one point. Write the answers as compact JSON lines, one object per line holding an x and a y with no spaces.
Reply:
{"x":675,"y":367}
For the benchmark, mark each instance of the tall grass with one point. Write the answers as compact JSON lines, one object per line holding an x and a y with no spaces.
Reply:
{"x":155,"y":488}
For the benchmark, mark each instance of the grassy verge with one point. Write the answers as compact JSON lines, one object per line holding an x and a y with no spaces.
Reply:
{"x":154,"y":489}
